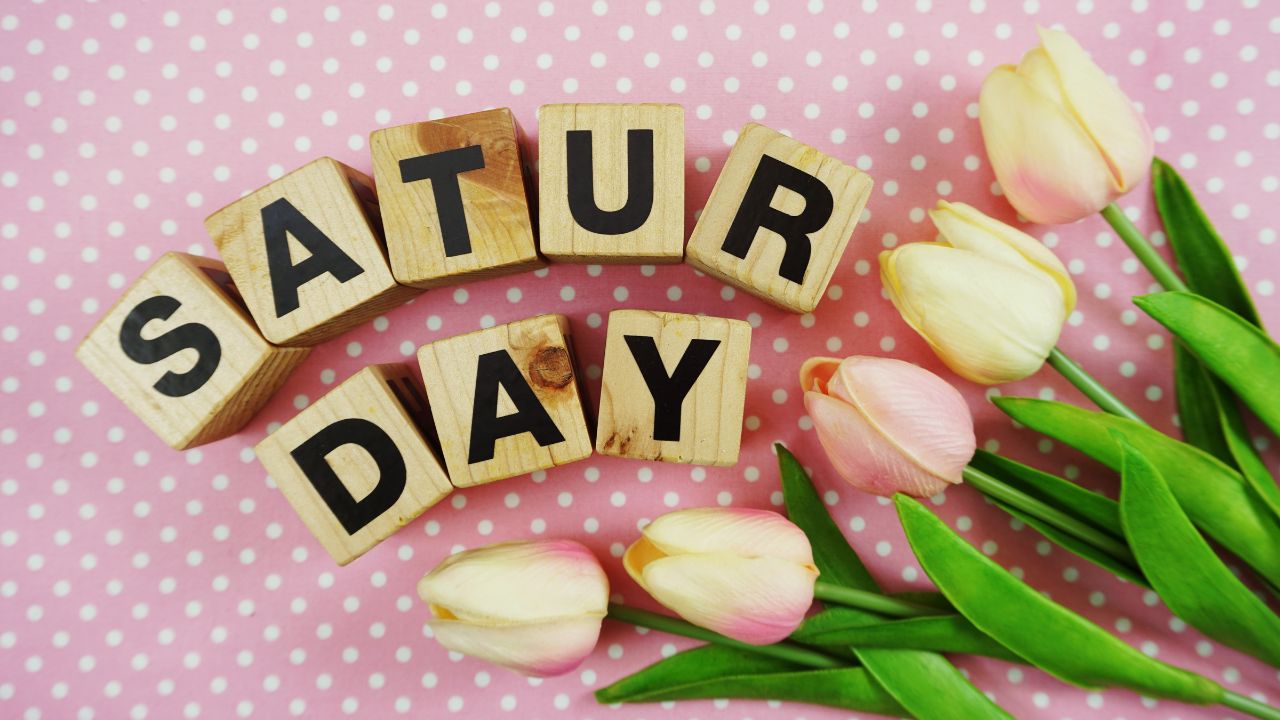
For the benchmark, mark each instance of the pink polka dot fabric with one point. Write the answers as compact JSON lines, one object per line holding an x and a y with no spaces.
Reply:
{"x":137,"y":581}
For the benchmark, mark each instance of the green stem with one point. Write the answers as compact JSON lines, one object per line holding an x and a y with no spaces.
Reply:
{"x":1249,"y":706}
{"x":1083,"y":531}
{"x":784,"y":650}
{"x":1092,"y":389}
{"x":871,"y":602}
{"x":1143,"y":249}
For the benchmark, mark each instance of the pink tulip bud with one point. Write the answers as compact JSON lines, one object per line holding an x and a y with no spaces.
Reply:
{"x":534,"y":607}
{"x":888,"y":426}
{"x":747,"y":574}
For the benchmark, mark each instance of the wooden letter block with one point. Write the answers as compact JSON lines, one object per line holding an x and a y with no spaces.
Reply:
{"x":674,"y":387}
{"x":183,"y":355}
{"x":778,"y":220}
{"x":611,"y":183}
{"x":355,"y":465}
{"x":307,"y":253}
{"x":506,"y":400}
{"x":455,"y":199}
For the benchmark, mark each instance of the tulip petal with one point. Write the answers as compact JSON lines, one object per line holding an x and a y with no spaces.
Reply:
{"x":755,"y":600}
{"x":1047,"y":165}
{"x":542,"y":649}
{"x":745,"y":532}
{"x":816,"y":372}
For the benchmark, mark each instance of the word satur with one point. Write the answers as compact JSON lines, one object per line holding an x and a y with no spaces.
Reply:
{"x":196,"y":347}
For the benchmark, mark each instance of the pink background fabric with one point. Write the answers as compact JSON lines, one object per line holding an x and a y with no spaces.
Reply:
{"x":136,"y":581}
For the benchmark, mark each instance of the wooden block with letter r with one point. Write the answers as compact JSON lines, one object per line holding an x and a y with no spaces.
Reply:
{"x":180,"y":351}
{"x":673,"y":387}
{"x":778,"y":220}
{"x":307,"y":253}
{"x":506,"y":400}
{"x":356,"y":465}
{"x":455,"y":198}
{"x":611,"y":182}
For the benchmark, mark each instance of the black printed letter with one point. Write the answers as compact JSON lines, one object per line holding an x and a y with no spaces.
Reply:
{"x":190,"y":335}
{"x":281,"y":219}
{"x":312,"y":458}
{"x":442,"y":169}
{"x":582,"y":187}
{"x":755,"y":212}
{"x":496,"y":369}
{"x":669,"y":392}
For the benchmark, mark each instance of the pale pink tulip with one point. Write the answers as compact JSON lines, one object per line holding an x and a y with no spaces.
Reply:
{"x":534,"y":607}
{"x":888,"y":426}
{"x":747,"y":574}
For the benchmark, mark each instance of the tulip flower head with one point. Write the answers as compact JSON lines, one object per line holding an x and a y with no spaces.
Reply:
{"x":747,"y":574}
{"x":1063,"y":140}
{"x":534,"y":607}
{"x":888,"y":426}
{"x":988,"y":298}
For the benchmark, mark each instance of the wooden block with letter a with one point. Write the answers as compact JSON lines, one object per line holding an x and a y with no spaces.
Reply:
{"x":183,"y":355}
{"x":611,"y":182}
{"x":673,"y":388}
{"x":307,"y":253}
{"x":506,"y":400}
{"x":779,"y":246}
{"x":356,"y":465}
{"x":455,"y":198}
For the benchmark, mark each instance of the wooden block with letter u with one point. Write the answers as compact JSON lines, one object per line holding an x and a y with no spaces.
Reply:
{"x":611,"y":182}
{"x":782,"y":247}
{"x":356,"y":465}
{"x":183,"y":355}
{"x":307,"y":253}
{"x":506,"y":400}
{"x":673,"y":388}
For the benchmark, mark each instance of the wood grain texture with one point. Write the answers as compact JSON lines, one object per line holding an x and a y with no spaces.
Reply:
{"x":711,"y":412}
{"x":542,"y":349}
{"x":373,"y":394}
{"x":341,"y":202}
{"x":661,"y":238}
{"x":495,"y":199}
{"x":758,"y":273}
{"x":248,"y":373}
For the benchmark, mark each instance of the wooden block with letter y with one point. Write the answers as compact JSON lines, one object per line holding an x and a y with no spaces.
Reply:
{"x":307,"y":253}
{"x":611,"y":182}
{"x":183,"y":355}
{"x":778,"y":220}
{"x":673,"y":388}
{"x":356,"y":465}
{"x":455,"y":198}
{"x":506,"y":400}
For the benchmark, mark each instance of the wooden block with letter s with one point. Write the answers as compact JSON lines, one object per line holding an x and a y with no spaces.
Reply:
{"x":307,"y":253}
{"x":179,"y":350}
{"x":673,"y":387}
{"x":506,"y":400}
{"x":455,"y":198}
{"x":356,"y":465}
{"x":781,"y":247}
{"x":611,"y":182}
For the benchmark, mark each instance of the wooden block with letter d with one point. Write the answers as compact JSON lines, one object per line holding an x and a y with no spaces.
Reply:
{"x":356,"y":465}
{"x":455,"y":198}
{"x":673,"y":388}
{"x":611,"y":182}
{"x":778,"y":220}
{"x":307,"y":253}
{"x":506,"y":400}
{"x":183,"y":355}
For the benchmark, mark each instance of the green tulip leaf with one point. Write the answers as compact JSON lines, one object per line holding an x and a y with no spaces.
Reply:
{"x":1199,"y":406}
{"x":1099,"y":510}
{"x":837,"y":626}
{"x":1185,"y":571}
{"x":1048,"y":635}
{"x":1118,"y":566}
{"x":1213,"y":495}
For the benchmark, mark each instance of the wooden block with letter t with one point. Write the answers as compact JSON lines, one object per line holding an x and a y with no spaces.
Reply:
{"x":356,"y":465}
{"x":506,"y":400}
{"x":778,"y":220}
{"x":611,"y":182}
{"x":307,"y":253}
{"x":673,"y":388}
{"x":183,"y":355}
{"x":455,"y":198}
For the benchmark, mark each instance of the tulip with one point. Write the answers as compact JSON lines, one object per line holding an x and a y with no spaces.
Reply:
{"x":747,"y":574}
{"x":888,"y":426}
{"x":1063,"y":139}
{"x":988,"y":298}
{"x":534,"y":607}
